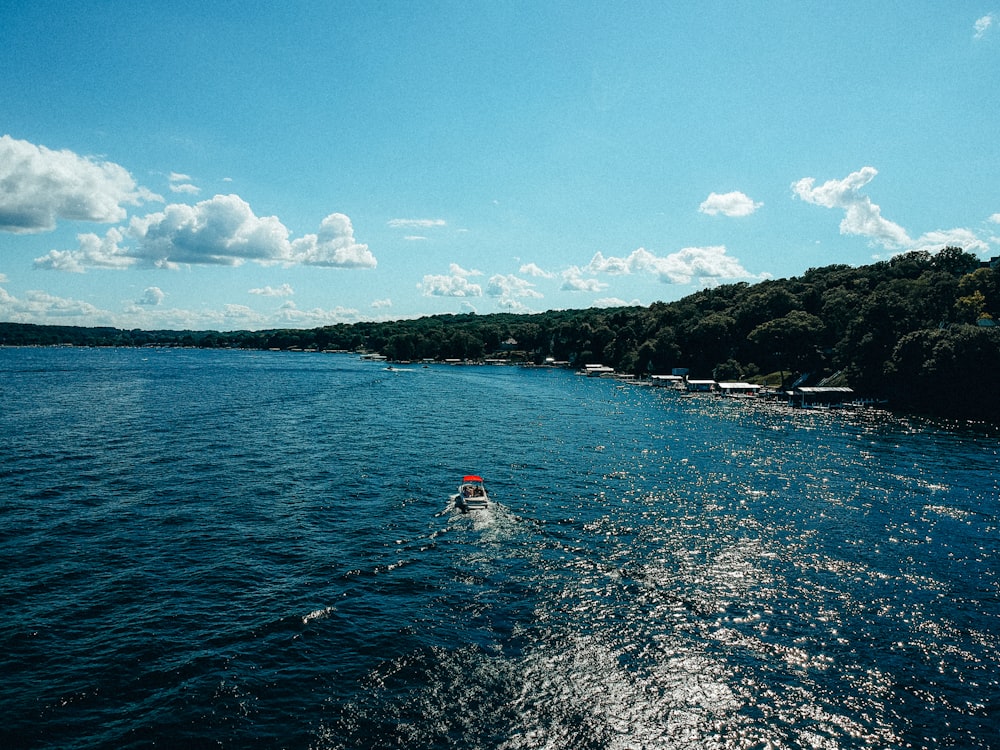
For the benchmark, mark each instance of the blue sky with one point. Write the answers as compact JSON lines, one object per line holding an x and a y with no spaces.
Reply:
{"x":222,"y":165}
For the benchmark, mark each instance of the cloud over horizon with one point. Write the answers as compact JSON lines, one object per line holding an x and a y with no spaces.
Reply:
{"x":285,"y":290}
{"x":681,"y":267}
{"x":222,"y":230}
{"x":509,"y":290}
{"x":864,"y":218}
{"x":39,"y":187}
{"x":455,"y":284}
{"x":151,"y":296}
{"x":861,"y":216}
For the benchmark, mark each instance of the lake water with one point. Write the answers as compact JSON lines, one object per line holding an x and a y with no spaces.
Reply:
{"x":255,"y":549}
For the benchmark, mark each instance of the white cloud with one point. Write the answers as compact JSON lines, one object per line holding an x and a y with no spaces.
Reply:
{"x":285,"y":290}
{"x":333,"y":247}
{"x":456,"y":284}
{"x":414,"y":238}
{"x":963,"y":238}
{"x":510,"y":289}
{"x":614,"y":302}
{"x":995,"y":218}
{"x":681,"y":267}
{"x":147,"y":312}
{"x":573,"y":281}
{"x":152,"y":296}
{"x":94,"y":252}
{"x":181,"y":183}
{"x":864,"y":218}
{"x":3,"y":278}
{"x":416,"y":223}
{"x":222,"y":230}
{"x":612,"y":266}
{"x":317,"y":316}
{"x":532,"y":269}
{"x":729,"y":204}
{"x":861,"y":216}
{"x":42,"y":307}
{"x":983,"y":25}
{"x":381,"y":304}
{"x":39,"y":186}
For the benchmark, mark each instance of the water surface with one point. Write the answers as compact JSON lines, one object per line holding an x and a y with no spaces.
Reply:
{"x":256,"y":549}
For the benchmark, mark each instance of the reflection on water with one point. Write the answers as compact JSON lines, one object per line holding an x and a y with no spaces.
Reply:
{"x":258,"y":550}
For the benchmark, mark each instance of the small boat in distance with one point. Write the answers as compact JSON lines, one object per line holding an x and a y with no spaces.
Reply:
{"x":471,"y":494}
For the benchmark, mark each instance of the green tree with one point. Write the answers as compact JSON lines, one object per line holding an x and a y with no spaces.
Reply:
{"x":945,"y":372}
{"x":970,"y":307}
{"x":791,"y":340}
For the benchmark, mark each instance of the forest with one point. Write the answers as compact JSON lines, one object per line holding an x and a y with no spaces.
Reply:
{"x":917,"y":330}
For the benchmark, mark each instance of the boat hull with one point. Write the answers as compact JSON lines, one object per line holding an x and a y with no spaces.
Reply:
{"x":472,"y":495}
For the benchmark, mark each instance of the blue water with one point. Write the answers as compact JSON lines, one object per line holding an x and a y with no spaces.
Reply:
{"x":255,"y":549}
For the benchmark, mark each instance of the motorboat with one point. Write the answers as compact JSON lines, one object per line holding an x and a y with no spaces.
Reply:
{"x":471,"y":494}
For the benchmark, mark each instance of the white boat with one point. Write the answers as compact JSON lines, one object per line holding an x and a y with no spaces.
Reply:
{"x":471,"y":494}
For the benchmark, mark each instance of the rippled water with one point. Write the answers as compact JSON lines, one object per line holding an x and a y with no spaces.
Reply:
{"x":244,"y":549}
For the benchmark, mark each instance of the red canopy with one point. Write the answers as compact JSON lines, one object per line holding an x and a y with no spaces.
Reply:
{"x":472,"y":478}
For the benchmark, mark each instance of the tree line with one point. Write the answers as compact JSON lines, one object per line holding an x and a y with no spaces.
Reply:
{"x":916,"y":329}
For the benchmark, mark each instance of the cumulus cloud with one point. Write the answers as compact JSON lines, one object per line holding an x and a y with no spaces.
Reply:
{"x":864,"y":218}
{"x":39,"y":186}
{"x":682,"y":267}
{"x":983,"y":25}
{"x":510,"y":285}
{"x":995,"y":218}
{"x":381,"y":304}
{"x":729,"y":204}
{"x":614,"y":302}
{"x":42,"y":307}
{"x":509,"y":290}
{"x":963,"y":238}
{"x":151,"y":297}
{"x":333,"y":247}
{"x":222,"y":230}
{"x":290,"y":314}
{"x":532,"y":269}
{"x":93,"y":252}
{"x":573,"y":281}
{"x":861,"y":216}
{"x":455,"y":284}
{"x":285,"y":290}
{"x":416,"y":223}
{"x":612,"y":266}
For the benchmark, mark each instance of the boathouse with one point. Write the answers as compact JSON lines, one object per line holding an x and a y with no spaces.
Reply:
{"x":739,"y":389}
{"x":700,"y":386}
{"x":811,"y":396}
